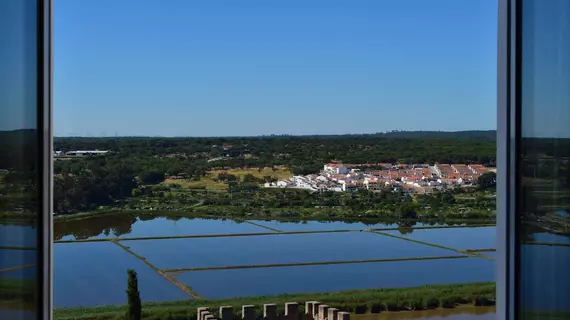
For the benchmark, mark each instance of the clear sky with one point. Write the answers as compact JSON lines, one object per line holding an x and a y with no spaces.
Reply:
{"x":251,"y":67}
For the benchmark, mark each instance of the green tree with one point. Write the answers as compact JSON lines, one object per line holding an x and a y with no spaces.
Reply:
{"x":487,"y":181}
{"x":134,"y":311}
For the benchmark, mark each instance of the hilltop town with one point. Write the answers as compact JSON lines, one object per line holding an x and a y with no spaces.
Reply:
{"x":418,"y":178}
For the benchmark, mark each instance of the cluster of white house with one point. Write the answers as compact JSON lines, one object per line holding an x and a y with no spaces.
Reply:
{"x":80,"y":153}
{"x":412,"y":177}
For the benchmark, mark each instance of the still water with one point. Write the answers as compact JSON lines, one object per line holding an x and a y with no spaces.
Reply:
{"x":94,"y":273}
{"x":321,"y":278}
{"x":286,"y":248}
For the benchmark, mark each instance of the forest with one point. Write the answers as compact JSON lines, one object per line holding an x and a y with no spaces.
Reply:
{"x":82,"y":184}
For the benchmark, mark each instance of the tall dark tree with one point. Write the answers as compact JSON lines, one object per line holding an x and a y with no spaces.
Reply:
{"x":134,"y":308}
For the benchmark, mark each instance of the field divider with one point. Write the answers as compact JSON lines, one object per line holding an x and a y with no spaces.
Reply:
{"x":262,"y":226}
{"x":170,"y":279}
{"x":434,"y":227}
{"x":17,"y":248}
{"x":274,"y":265}
{"x":481,"y":250}
{"x":17,"y":268}
{"x":420,"y":242}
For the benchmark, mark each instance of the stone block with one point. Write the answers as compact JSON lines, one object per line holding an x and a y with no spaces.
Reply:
{"x":248,"y":312}
{"x":343,"y":316}
{"x":226,"y":313}
{"x":200,"y":311}
{"x":316,"y":305}
{"x":270,"y":311}
{"x":309,"y":307}
{"x":291,"y":310}
{"x":323,"y":311}
{"x":333,"y":314}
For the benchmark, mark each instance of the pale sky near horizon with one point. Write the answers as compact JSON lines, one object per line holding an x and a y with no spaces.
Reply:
{"x":252,"y":67}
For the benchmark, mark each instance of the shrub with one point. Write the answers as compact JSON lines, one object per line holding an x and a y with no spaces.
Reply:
{"x":392,"y":305}
{"x":376,"y":307}
{"x":415,"y":304}
{"x":430,"y":302}
{"x":360,"y":309}
{"x":446,"y":302}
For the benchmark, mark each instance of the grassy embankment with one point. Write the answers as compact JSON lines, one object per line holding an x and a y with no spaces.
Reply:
{"x":356,"y":301}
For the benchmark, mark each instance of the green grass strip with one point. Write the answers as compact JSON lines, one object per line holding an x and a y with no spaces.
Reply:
{"x":297,"y":264}
{"x":554,"y":244}
{"x":16,"y":248}
{"x":17,"y":268}
{"x":356,"y":301}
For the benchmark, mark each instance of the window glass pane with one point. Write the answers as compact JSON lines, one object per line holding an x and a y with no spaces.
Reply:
{"x":545,"y":160}
{"x":18,"y":158}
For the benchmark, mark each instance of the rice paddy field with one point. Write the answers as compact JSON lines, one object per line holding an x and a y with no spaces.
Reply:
{"x":184,"y":258}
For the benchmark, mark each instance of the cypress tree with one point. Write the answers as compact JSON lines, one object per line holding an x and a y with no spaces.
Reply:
{"x":133,"y":295}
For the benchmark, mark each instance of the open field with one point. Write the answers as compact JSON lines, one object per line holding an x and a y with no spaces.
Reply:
{"x":208,"y":182}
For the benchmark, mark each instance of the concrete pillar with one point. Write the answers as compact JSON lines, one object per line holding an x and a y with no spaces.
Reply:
{"x":309,"y":307}
{"x":270,"y":311}
{"x":248,"y":312}
{"x":291,"y":310}
{"x":333,"y":314}
{"x":343,"y":316}
{"x":200,"y":311}
{"x":226,"y":313}
{"x":323,"y":311}
{"x":316,"y":305}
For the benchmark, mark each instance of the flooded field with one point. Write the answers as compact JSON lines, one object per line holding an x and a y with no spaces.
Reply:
{"x":92,"y":271}
{"x":322,"y":278}
{"x":278,"y":248}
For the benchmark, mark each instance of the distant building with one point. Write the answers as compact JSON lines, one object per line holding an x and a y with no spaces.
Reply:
{"x":86,"y":153}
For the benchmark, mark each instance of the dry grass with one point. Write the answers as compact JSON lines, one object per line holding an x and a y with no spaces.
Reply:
{"x":281,"y":173}
{"x":209,"y":183}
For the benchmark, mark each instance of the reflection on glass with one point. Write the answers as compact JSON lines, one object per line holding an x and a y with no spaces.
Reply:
{"x":545,"y":160}
{"x":18,"y":150}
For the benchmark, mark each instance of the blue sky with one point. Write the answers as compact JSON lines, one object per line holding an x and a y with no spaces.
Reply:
{"x":251,"y":67}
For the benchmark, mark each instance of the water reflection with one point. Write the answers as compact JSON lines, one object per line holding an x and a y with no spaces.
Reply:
{"x":114,"y":225}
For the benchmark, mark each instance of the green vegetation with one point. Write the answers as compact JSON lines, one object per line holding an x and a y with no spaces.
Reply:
{"x":356,"y":301}
{"x":17,"y":290}
{"x":134,"y":300}
{"x":247,"y":200}
{"x":234,"y":164}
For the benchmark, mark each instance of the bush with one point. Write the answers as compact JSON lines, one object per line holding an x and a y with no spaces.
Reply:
{"x":376,"y":307}
{"x":483,"y":301}
{"x":392,"y":305}
{"x":360,"y":309}
{"x":415,"y":304}
{"x":446,"y":302}
{"x":430,"y":302}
